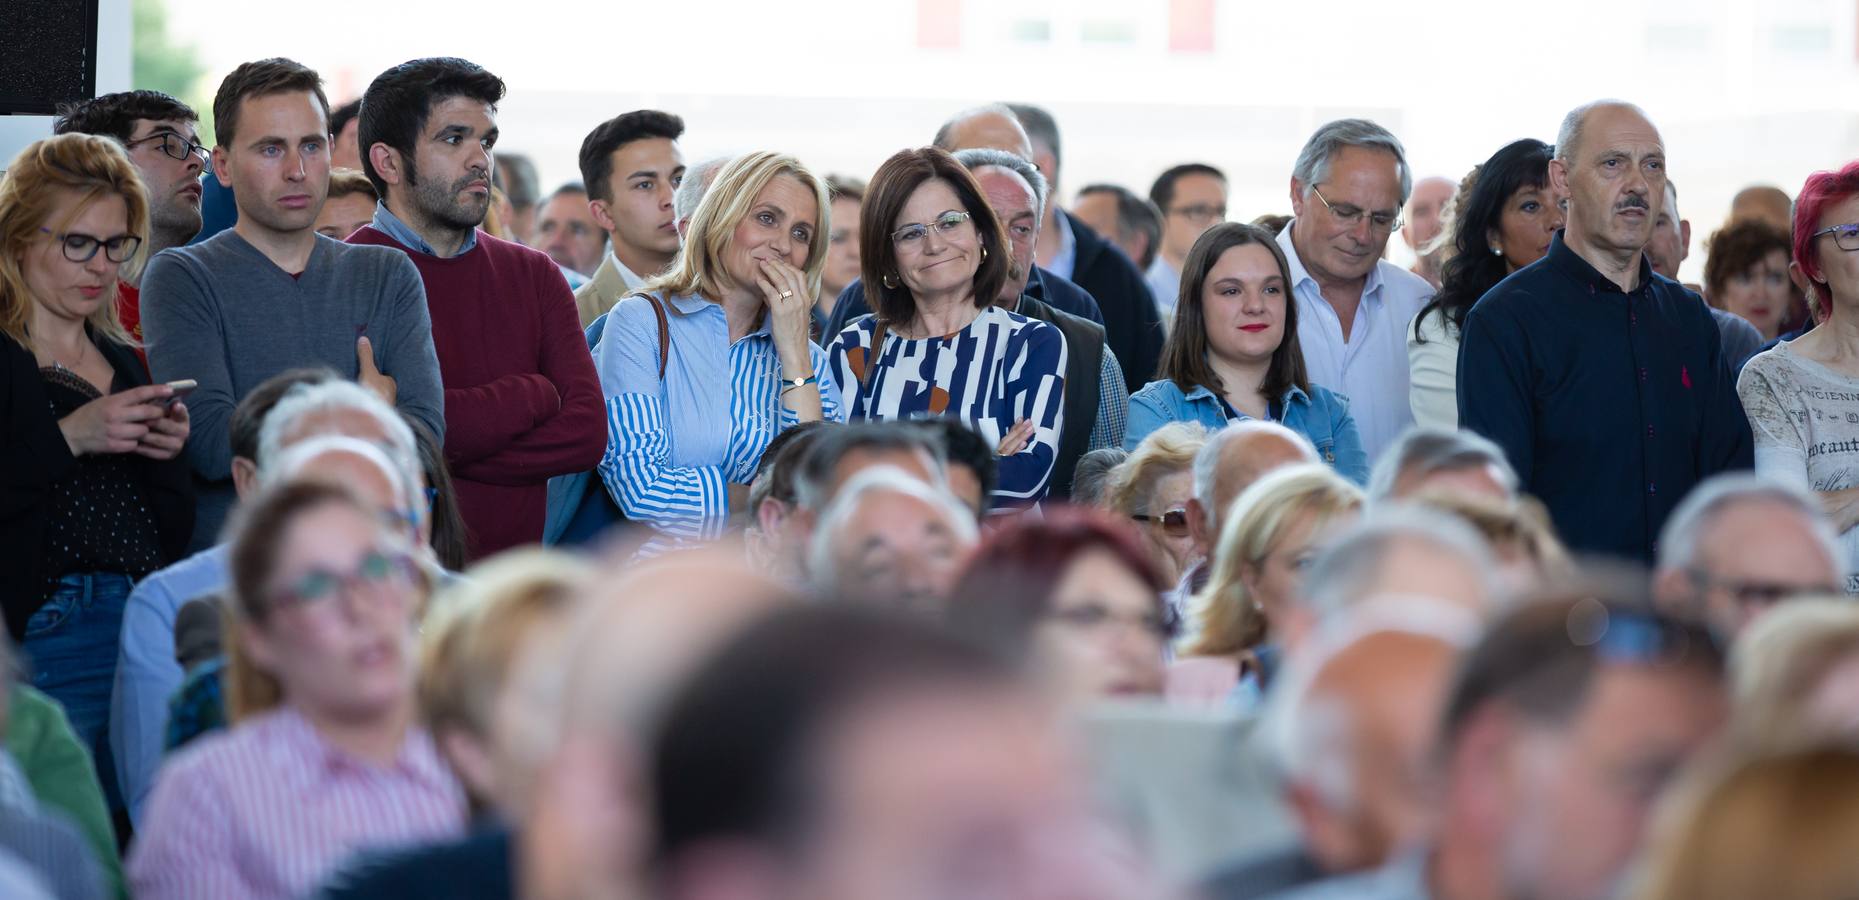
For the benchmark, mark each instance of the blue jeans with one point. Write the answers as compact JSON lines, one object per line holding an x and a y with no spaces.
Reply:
{"x":71,"y":644}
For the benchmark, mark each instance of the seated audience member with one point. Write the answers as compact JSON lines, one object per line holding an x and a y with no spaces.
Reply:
{"x":712,"y":360}
{"x":830,"y":462}
{"x":1780,"y":825}
{"x":96,"y":494}
{"x":1764,"y":203}
{"x":1352,"y":733}
{"x":1524,"y":547}
{"x":1425,"y":459}
{"x":567,"y":232}
{"x":1669,"y":248}
{"x":52,"y":842}
{"x":1233,"y":353}
{"x":890,"y":540}
{"x":1422,"y":222}
{"x":1074,"y":599}
{"x":925,"y":240}
{"x":1563,"y":724}
{"x":630,"y":165}
{"x":1739,"y":545}
{"x":1792,"y":674}
{"x":1233,"y":458}
{"x":515,"y":175}
{"x":881,"y":760}
{"x":324,"y":600}
{"x":776,"y":536}
{"x":1392,"y":556}
{"x":1192,"y":199}
{"x":283,"y":412}
{"x":842,"y":259}
{"x":1236,"y":630}
{"x":1746,"y":273}
{"x":970,"y":468}
{"x":1501,"y":222}
{"x":522,"y":400}
{"x":1096,"y":402}
{"x":1091,"y":481}
{"x":258,"y":298}
{"x":1153,"y":488}
{"x":349,"y":206}
{"x":1130,"y":223}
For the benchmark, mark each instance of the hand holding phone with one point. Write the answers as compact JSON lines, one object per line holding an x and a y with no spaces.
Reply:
{"x":181,"y":389}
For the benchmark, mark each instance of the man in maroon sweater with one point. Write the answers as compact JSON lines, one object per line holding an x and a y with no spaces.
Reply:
{"x":522,"y":401}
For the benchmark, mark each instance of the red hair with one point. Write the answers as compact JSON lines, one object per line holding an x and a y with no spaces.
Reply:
{"x":1823,"y":189}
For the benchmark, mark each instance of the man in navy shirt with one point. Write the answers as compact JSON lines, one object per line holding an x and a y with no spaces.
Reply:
{"x":1604,"y":382}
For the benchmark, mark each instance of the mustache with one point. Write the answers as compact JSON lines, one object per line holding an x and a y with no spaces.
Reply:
{"x":474,"y":178}
{"x":1632,"y":201}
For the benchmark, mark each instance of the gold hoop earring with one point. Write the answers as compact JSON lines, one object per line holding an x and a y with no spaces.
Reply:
{"x":984,"y":251}
{"x":889,"y":282}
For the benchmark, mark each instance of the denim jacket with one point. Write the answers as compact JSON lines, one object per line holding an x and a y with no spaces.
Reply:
{"x":1321,"y":415}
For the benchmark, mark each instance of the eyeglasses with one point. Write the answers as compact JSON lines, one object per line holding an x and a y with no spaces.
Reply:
{"x":81,"y":248}
{"x":1351,"y":216}
{"x":378,"y":568}
{"x":176,"y":146}
{"x":1173,"y":523}
{"x":1757,"y":594}
{"x":1090,"y":617}
{"x":1199,"y":213}
{"x":913,"y":234}
{"x":1846,"y":236}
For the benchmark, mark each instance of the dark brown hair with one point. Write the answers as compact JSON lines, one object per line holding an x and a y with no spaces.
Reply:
{"x":1184,"y":356}
{"x":1741,"y":246}
{"x":261,"y":79}
{"x":897,"y":179}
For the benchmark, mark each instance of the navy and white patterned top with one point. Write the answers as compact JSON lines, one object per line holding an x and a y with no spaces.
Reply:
{"x":673,"y":447}
{"x":1002,"y":368}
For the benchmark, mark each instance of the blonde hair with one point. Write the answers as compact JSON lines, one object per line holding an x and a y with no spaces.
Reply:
{"x":1522,"y":524}
{"x":1779,"y":826}
{"x":698,"y":270}
{"x":42,"y":175}
{"x":1169,"y":450}
{"x":1779,"y":661}
{"x":1227,"y":619}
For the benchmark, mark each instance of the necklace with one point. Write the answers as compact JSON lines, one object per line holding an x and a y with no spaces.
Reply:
{"x":61,"y":367}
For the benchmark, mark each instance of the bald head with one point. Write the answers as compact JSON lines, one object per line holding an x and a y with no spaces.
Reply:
{"x":1764,"y":204}
{"x":1604,"y":114}
{"x":992,"y":127}
{"x":1231,"y":460}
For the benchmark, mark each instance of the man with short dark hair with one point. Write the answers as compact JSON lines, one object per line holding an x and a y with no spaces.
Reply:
{"x":567,"y":232}
{"x":163,"y":141}
{"x":1605,"y":384}
{"x":523,"y":403}
{"x":1192,"y":199}
{"x":270,"y":294}
{"x":345,"y":136}
{"x":1130,"y":222}
{"x":630,"y":165}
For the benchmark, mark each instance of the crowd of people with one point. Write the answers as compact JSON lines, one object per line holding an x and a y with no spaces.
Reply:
{"x":382,"y":526}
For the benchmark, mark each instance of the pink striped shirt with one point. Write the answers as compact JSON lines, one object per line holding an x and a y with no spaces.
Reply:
{"x":268,"y":809}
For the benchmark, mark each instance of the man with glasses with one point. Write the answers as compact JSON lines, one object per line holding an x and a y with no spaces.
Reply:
{"x":1606,"y":386}
{"x":1192,"y":198}
{"x":162,"y":139}
{"x":1353,"y":307}
{"x":1741,"y":544}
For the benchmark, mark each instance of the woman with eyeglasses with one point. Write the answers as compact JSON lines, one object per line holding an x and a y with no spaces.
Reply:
{"x":95,"y":495}
{"x":1152,"y":488}
{"x":325,"y":756}
{"x":1075,"y":598}
{"x":1802,"y":396}
{"x":1236,"y":629}
{"x":934,"y":258}
{"x":1233,"y":352}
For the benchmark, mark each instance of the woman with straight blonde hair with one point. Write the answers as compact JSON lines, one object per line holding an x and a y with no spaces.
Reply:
{"x":709,"y":361}
{"x":1271,"y":533}
{"x":95,"y":495}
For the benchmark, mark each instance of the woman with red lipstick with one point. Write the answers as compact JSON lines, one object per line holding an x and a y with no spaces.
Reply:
{"x":1503,"y":219}
{"x":94,"y":494}
{"x":1233,"y":352}
{"x":1746,"y":273}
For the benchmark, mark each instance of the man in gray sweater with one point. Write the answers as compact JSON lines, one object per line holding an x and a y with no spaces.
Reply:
{"x":271,"y":294}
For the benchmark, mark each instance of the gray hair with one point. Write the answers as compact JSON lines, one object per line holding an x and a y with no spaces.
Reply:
{"x":1568,"y":137}
{"x":978,"y":157}
{"x":1093,"y":474}
{"x":813,"y":476}
{"x":1040,"y":127}
{"x":1345,"y":573}
{"x":1313,"y":162}
{"x":292,"y":459}
{"x":690,"y":192}
{"x":281,"y":428}
{"x":1424,"y":451}
{"x":1207,"y":460}
{"x":824,"y":569}
{"x":1680,"y":540}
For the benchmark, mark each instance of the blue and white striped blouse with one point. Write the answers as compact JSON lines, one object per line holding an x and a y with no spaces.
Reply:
{"x":674,"y":446}
{"x":1001,"y":369}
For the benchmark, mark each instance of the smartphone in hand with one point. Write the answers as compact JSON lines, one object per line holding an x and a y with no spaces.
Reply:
{"x":181,"y":389}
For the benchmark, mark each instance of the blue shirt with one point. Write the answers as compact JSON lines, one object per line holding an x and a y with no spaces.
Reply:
{"x":1611,"y":405}
{"x":674,"y":446}
{"x":147,"y":673}
{"x":389,"y":224}
{"x":1321,"y":415}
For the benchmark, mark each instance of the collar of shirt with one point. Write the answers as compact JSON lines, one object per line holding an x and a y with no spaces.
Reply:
{"x":298,"y":749}
{"x":1300,"y":276}
{"x":389,"y":224}
{"x":632,"y":280}
{"x":1294,"y":395}
{"x":1563,"y":258}
{"x":695,"y":305}
{"x":1064,"y":261}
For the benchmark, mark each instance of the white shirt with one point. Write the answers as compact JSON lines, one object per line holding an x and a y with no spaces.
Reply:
{"x":632,"y":281}
{"x":1165,"y":284}
{"x":1370,"y":368}
{"x":1066,"y":260}
{"x":1434,"y":371}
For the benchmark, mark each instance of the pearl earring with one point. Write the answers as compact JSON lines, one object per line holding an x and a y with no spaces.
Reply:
{"x":1497,"y":251}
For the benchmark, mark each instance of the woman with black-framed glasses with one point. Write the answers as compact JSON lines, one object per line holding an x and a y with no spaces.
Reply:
{"x":1802,"y":396}
{"x":95,"y":494}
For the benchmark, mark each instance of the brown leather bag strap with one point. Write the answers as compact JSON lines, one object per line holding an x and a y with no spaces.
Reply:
{"x":664,"y":331}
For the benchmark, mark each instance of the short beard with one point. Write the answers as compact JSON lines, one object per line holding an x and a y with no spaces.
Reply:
{"x":439,"y":207}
